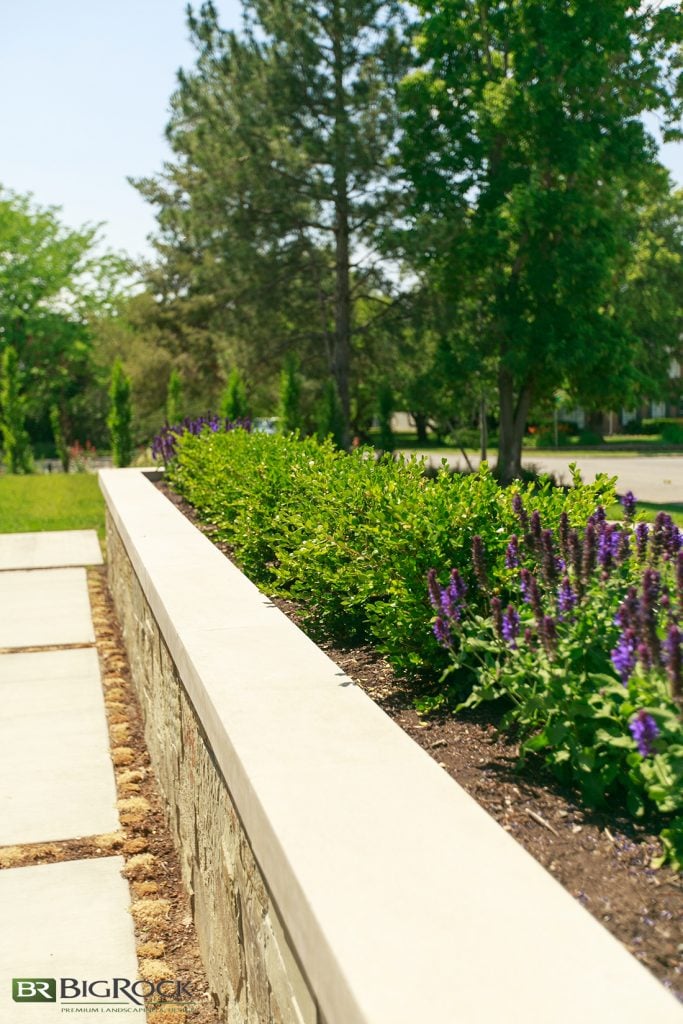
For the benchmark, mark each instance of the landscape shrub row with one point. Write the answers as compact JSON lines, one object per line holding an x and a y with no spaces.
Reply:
{"x":524,"y":595}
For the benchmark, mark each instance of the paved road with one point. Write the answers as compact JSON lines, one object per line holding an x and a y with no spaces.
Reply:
{"x":656,"y":478}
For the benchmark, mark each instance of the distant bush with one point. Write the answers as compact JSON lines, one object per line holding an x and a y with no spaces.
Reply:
{"x":671,"y":430}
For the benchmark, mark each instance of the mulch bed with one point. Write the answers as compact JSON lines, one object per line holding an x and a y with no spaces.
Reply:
{"x":603,"y":860}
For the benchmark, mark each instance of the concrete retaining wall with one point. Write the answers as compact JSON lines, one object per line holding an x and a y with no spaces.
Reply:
{"x":337,"y":874}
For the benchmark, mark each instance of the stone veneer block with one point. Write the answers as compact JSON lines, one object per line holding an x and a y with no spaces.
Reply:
{"x":44,"y":608}
{"x":56,"y":776}
{"x":66,"y":920}
{"x":327,"y":854}
{"x":49,"y":550}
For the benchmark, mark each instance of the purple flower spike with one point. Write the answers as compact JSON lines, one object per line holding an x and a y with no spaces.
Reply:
{"x":624,"y":655}
{"x":497,"y":614}
{"x":452,"y":596}
{"x":548,"y":560}
{"x":563,"y":534}
{"x":645,"y":731}
{"x":673,"y":646}
{"x":479,"y":561}
{"x":510,"y":626}
{"x":549,"y":635}
{"x":566,"y":598}
{"x":679,"y":580}
{"x":512,"y":553}
{"x":589,"y":552}
{"x":520,"y":512}
{"x":642,"y":533}
{"x":442,"y":632}
{"x":434,"y":590}
{"x":628,"y":503}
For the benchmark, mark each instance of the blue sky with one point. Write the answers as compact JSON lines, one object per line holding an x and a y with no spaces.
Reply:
{"x":85,"y":87}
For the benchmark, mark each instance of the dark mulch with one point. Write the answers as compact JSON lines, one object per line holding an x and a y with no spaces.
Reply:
{"x":602,"y":859}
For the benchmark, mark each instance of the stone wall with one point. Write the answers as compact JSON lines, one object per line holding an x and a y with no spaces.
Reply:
{"x":251,"y":967}
{"x":337,"y":873}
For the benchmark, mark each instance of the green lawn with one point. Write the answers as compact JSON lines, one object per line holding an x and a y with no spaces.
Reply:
{"x":650,"y":509}
{"x":51,"y":502}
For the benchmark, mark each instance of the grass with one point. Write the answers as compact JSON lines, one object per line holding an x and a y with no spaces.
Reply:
{"x":51,"y":502}
{"x":650,"y":508}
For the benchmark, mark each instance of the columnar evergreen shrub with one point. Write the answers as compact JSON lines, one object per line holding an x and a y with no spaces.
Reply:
{"x":120,"y":416}
{"x":174,"y":397}
{"x":15,"y":442}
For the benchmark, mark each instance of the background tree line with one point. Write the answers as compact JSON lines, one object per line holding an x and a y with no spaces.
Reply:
{"x":453,"y":208}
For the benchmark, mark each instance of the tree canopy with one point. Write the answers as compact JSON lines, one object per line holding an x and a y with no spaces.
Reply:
{"x":531,"y":168}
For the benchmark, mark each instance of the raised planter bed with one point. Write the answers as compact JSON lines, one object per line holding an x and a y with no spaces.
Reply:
{"x":337,"y":874}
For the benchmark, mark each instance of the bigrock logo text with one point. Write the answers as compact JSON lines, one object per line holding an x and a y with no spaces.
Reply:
{"x":44,"y":990}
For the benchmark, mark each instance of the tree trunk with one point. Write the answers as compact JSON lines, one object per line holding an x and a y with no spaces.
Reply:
{"x":483,"y":429}
{"x":341,"y":358}
{"x":513,"y":416}
{"x":420,"y":426}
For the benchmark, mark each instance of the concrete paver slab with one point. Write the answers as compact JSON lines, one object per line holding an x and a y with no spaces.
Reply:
{"x":56,"y":775}
{"x":67,"y":920}
{"x":655,"y":478}
{"x":44,"y":607}
{"x":49,"y":550}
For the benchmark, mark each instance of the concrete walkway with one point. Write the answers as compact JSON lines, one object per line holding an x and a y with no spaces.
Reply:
{"x":68,"y":919}
{"x":655,"y":478}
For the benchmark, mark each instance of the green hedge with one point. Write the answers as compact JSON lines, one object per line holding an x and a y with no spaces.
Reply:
{"x":352,"y":538}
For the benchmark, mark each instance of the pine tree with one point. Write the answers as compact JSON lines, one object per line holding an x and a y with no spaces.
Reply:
{"x":284,"y":140}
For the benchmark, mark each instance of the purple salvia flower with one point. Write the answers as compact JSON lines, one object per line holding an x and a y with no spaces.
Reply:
{"x":510,"y":626}
{"x":497,"y":614}
{"x":648,"y":613}
{"x":623,"y":547}
{"x":679,"y":580}
{"x":574,"y":545}
{"x":528,"y":636}
{"x":624,"y":655}
{"x":535,"y":529}
{"x":673,"y":659}
{"x":600,"y":515}
{"x":525,"y":578}
{"x":549,"y":635}
{"x":664,"y":535}
{"x":628,"y":503}
{"x":548,"y":557}
{"x":563,"y":534}
{"x":566,"y":598}
{"x":479,"y":562}
{"x":452,"y":596}
{"x":608,"y":545}
{"x":644,"y":655}
{"x":520,"y":512}
{"x":629,"y":610}
{"x":642,"y":532}
{"x":589,"y":552}
{"x":645,"y":731}
{"x":434,"y":590}
{"x":442,"y":632}
{"x":512,"y":553}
